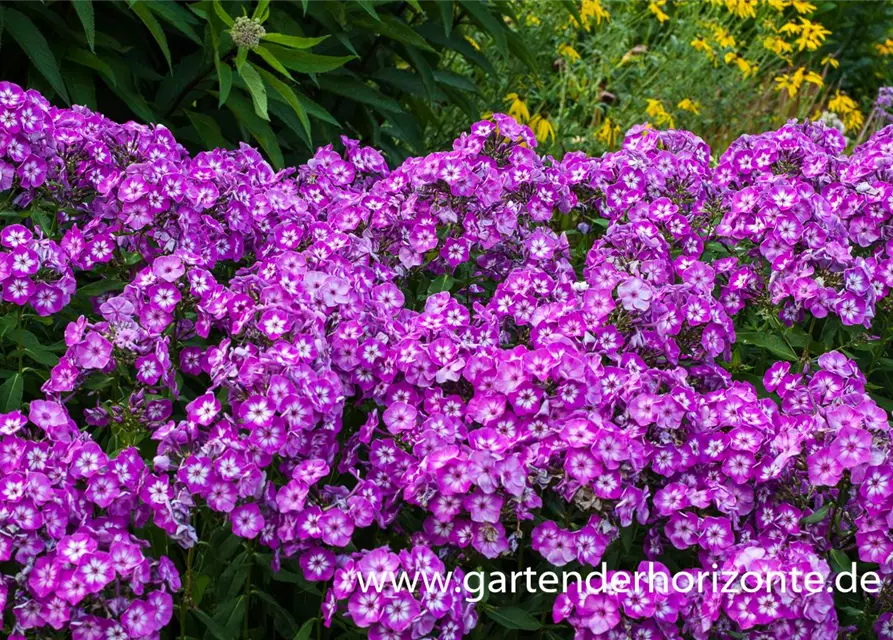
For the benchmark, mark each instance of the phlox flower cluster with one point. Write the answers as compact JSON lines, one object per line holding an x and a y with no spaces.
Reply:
{"x":300,"y":385}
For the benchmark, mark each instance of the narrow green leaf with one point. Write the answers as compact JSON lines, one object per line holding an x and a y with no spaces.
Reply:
{"x":395,"y":29}
{"x":271,"y":60}
{"x":840,"y":561}
{"x":514,"y":618}
{"x":769,"y":342}
{"x":207,"y":129}
{"x":100,"y":286}
{"x":84,"y":9}
{"x":216,"y":630}
{"x":11,"y":393}
{"x":356,"y":90}
{"x":222,"y":14}
{"x":424,"y":70}
{"x":261,"y":8}
{"x":369,"y":8}
{"x":480,"y":13}
{"x":92,"y":61}
{"x":304,"y":62}
{"x":818,"y":515}
{"x":225,"y":78}
{"x":305,"y":630}
{"x":148,"y":18}
{"x":446,"y":16}
{"x":290,"y":97}
{"x":35,"y":46}
{"x":256,"y":88}
{"x":178,"y":17}
{"x":293,"y":42}
{"x":258,"y":128}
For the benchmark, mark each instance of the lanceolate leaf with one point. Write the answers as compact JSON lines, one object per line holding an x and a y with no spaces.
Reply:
{"x":256,"y":88}
{"x":142,"y":10}
{"x":288,"y":94}
{"x":29,"y":38}
{"x":11,"y":393}
{"x":293,"y":42}
{"x":304,"y":62}
{"x":84,"y":9}
{"x":258,"y":128}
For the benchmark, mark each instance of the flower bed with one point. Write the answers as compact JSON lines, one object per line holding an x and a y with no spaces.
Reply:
{"x":434,"y":367}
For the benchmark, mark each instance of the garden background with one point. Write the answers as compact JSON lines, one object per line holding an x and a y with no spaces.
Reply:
{"x":148,"y":289}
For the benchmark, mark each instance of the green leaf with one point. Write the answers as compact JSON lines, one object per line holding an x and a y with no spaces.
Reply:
{"x":258,"y":128}
{"x":261,"y":11}
{"x":199,"y":585}
{"x":446,"y":16}
{"x":225,"y":78}
{"x":356,"y":90}
{"x":207,"y":129}
{"x":271,"y":60}
{"x":768,"y":341}
{"x":480,"y":13}
{"x":839,"y":561}
{"x":293,"y":42}
{"x":395,"y":29}
{"x":179,"y":18}
{"x":304,"y":62}
{"x":142,"y":11}
{"x":514,"y":618}
{"x":92,"y":61}
{"x":441,"y":283}
{"x":11,"y":393}
{"x":216,"y":630}
{"x":41,"y":218}
{"x":290,"y":97}
{"x":305,"y":630}
{"x":368,"y":8}
{"x":818,"y":515}
{"x":256,"y":88}
{"x":223,"y":15}
{"x":84,"y":9}
{"x":42,"y":356}
{"x":35,"y":46}
{"x":99,"y":287}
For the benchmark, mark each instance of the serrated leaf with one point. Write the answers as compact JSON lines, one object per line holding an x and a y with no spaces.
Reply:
{"x":35,"y":46}
{"x":11,"y":393}
{"x":514,"y":618}
{"x":84,"y":9}
{"x":178,"y":17}
{"x":293,"y":42}
{"x":256,"y":88}
{"x":304,"y":62}
{"x":148,"y":18}
{"x":768,"y":341}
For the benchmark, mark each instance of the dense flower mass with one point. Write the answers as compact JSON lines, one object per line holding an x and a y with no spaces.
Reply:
{"x":325,"y":351}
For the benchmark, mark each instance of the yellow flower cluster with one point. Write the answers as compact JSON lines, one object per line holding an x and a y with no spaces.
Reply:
{"x":608,"y":133}
{"x":687,"y":104}
{"x":655,"y":109}
{"x":810,"y":35}
{"x":567,"y":51}
{"x":591,"y":10}
{"x":885,"y":48}
{"x":655,"y":8}
{"x":846,"y":108}
{"x":792,"y":82}
{"x":540,"y":125}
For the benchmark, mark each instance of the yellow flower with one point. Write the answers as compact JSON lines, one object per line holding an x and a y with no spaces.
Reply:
{"x":885,"y":48}
{"x":474,"y":44}
{"x":700,"y":44}
{"x":742,"y":8}
{"x":568,"y":52}
{"x":542,"y":128}
{"x":687,"y":104}
{"x":791,"y":82}
{"x":608,"y":133}
{"x":531,"y":20}
{"x":778,"y":5}
{"x":591,"y":9}
{"x":655,"y":109}
{"x":723,"y":38}
{"x":803,"y":7}
{"x":811,"y":35}
{"x":517,"y":109}
{"x":747,"y":68}
{"x":846,"y":108}
{"x":814,"y":78}
{"x":778,"y":45}
{"x":655,"y":8}
{"x":830,"y":60}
